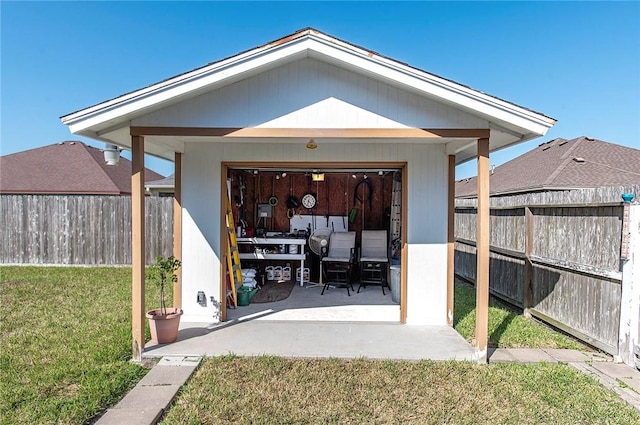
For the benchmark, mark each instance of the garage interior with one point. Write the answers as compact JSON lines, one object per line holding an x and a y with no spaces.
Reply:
{"x":303,"y":206}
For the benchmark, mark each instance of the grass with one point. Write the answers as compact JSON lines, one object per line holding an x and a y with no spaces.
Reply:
{"x":272,"y":390}
{"x":66,"y":342}
{"x":507,"y":329}
{"x":66,"y":346}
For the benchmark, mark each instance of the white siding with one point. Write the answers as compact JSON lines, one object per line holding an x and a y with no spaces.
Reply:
{"x":426,"y":224}
{"x":311,"y":94}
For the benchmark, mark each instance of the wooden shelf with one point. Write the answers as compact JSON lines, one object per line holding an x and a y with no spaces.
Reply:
{"x":261,"y":256}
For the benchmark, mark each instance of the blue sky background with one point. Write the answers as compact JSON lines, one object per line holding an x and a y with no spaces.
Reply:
{"x":577,"y":62}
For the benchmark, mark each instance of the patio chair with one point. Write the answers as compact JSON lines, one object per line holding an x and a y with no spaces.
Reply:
{"x":337,"y":264}
{"x":374,"y":259}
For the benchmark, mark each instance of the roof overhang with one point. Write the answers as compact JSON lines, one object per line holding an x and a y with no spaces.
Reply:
{"x":109,"y":121}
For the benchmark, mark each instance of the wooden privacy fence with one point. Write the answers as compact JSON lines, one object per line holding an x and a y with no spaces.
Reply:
{"x":80,"y":229}
{"x":556,"y":255}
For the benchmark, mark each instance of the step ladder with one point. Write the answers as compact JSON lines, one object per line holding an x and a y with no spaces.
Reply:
{"x":234,"y":269}
{"x":396,"y":207}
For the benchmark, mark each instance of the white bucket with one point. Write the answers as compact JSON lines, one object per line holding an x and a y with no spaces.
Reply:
{"x":306,"y":274}
{"x":286,"y":273}
{"x":270,"y":273}
{"x":277,"y":273}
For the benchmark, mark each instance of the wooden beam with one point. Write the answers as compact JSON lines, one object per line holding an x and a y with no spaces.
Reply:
{"x":451,"y":240}
{"x":404,"y":253}
{"x":137,"y":246}
{"x":482,"y":249}
{"x":224,"y":240}
{"x":177,"y":227}
{"x":322,"y":166}
{"x":353,"y":133}
{"x":527,"y":296}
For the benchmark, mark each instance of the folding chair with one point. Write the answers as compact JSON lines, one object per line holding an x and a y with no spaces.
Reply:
{"x":374,"y":259}
{"x":339,"y":260}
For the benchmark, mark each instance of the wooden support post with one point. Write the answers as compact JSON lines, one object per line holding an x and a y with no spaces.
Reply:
{"x":404,"y":252}
{"x":451,"y":217}
{"x":482,"y":249}
{"x":177,"y":227}
{"x":527,"y":289}
{"x":137,"y":246}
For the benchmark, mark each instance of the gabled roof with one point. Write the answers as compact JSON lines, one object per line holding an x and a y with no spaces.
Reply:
{"x":165,"y":183}
{"x":562,"y":164}
{"x":69,"y":167}
{"x":510,"y":123}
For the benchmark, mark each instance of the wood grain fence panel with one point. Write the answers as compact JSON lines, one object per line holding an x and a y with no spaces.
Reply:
{"x":465,"y":261}
{"x":586,"y":306}
{"x":506,"y":277}
{"x":79,"y":229}
{"x":583,"y":235}
{"x":465,"y":224}
{"x":507,"y":229}
{"x":609,"y":195}
{"x":573,"y":243}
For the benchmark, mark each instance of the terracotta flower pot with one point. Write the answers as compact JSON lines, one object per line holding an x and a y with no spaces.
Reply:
{"x":164,"y":328}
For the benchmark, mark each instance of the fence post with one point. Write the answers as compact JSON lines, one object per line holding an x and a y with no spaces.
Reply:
{"x":527,"y":290}
{"x":628,"y":336}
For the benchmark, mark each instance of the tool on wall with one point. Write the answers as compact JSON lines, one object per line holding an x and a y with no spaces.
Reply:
{"x":354,"y":211}
{"x":346,"y":204}
{"x":292,"y":201}
{"x":273,"y":201}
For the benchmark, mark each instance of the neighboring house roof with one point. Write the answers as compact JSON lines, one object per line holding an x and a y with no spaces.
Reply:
{"x":69,"y":167}
{"x":562,"y":164}
{"x":110,"y":120}
{"x":165,"y":183}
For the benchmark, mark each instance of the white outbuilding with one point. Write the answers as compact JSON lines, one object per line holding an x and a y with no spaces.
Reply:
{"x":306,"y":102}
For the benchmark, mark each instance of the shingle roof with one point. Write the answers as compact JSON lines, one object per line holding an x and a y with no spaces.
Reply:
{"x":168,"y":181}
{"x":562,"y":164}
{"x":69,"y":167}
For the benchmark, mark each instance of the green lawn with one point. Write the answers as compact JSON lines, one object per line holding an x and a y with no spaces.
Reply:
{"x":507,"y":329}
{"x":272,"y":390}
{"x":66,"y":345}
{"x":66,"y":342}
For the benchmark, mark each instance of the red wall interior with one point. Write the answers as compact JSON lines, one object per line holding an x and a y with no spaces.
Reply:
{"x":335,"y":196}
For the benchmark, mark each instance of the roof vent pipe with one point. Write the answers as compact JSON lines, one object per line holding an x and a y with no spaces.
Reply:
{"x":111,"y":154}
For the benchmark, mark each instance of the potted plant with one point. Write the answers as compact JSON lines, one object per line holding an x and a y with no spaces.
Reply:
{"x":163,"y":321}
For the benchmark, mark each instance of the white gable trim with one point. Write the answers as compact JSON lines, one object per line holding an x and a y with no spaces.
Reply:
{"x":308,"y":43}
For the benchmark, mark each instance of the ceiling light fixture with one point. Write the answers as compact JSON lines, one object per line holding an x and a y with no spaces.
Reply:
{"x":311,"y":144}
{"x":111,"y":154}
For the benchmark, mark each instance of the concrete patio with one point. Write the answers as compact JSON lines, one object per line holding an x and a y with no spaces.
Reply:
{"x":308,"y":324}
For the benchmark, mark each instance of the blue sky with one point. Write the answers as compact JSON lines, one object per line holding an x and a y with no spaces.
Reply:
{"x":577,"y":62}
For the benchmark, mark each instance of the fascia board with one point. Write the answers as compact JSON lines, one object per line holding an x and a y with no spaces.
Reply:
{"x":472,"y":100}
{"x":476,"y":102}
{"x":186,"y":84}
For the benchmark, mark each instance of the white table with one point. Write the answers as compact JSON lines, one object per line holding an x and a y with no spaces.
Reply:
{"x":275,"y":241}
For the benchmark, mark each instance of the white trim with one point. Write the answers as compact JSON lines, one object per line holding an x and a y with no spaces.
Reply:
{"x":306,"y":44}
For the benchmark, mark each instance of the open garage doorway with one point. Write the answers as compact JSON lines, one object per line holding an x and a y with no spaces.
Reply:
{"x":285,"y":216}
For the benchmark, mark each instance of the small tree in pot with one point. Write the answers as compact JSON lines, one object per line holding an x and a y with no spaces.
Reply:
{"x":164,"y":322}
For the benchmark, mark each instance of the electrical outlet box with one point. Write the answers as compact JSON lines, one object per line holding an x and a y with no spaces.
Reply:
{"x":264,"y":211}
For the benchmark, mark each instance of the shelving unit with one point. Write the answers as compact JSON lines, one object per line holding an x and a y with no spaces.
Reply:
{"x":257,"y":242}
